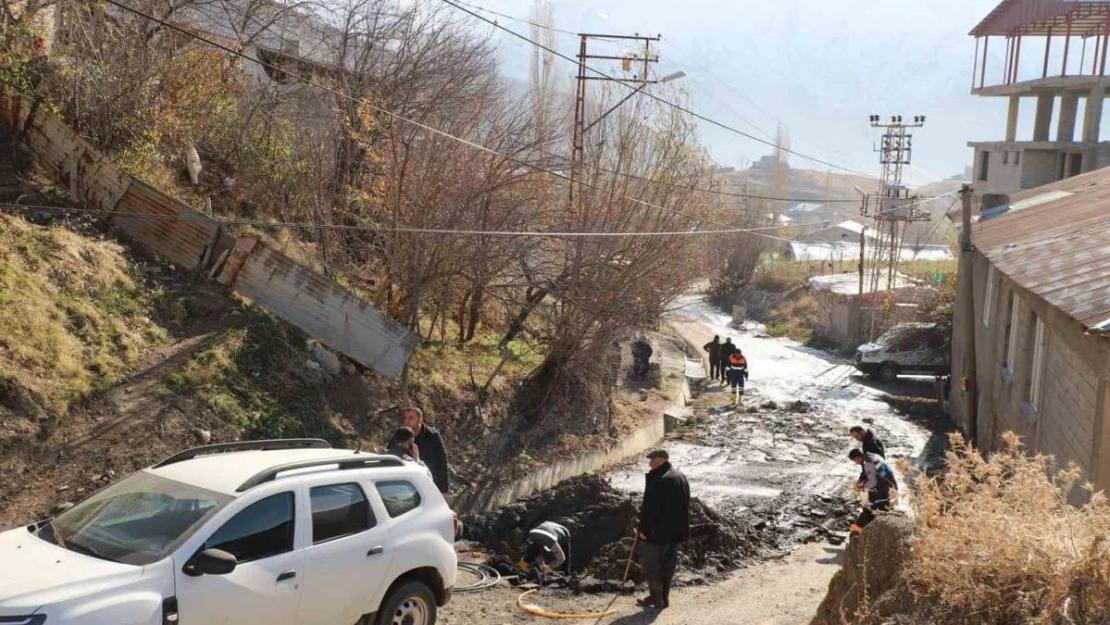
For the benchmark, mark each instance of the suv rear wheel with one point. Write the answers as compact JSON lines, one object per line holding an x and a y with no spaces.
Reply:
{"x":889,"y":372}
{"x":411,"y":603}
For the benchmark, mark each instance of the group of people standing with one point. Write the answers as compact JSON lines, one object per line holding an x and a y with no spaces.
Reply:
{"x":728,"y":364}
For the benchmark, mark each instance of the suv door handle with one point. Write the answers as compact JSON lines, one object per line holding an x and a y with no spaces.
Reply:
{"x":375,"y":551}
{"x":286,"y":575}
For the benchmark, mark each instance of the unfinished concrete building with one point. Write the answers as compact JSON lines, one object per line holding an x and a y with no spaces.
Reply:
{"x":1054,"y":58}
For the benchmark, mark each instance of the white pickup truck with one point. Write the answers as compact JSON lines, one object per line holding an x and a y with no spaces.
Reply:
{"x":287,"y":532}
{"x":905,"y":349}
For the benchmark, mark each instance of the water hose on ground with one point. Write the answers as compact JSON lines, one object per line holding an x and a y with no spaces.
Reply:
{"x":538,"y":611}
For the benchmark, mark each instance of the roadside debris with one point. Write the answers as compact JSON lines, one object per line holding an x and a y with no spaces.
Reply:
{"x":602,"y":520}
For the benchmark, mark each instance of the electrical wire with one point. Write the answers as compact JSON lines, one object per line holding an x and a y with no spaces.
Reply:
{"x":397,"y":116}
{"x":406,"y":230}
{"x":690,"y":59}
{"x":488,"y":577}
{"x":657,"y":98}
{"x":442,"y":231}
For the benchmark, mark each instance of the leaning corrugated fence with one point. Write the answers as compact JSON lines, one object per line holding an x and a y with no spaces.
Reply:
{"x":188,"y":238}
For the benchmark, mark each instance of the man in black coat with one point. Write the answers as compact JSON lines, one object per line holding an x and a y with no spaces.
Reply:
{"x":430,"y":443}
{"x":664,"y":524}
{"x":868,"y":441}
{"x":727,"y":349}
{"x":714,"y":349}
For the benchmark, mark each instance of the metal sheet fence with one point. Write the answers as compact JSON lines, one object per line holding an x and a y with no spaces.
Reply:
{"x":297,"y":294}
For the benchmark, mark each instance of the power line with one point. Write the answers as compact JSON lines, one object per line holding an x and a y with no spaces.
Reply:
{"x":659,"y":99}
{"x":398,"y":116}
{"x":403,"y":230}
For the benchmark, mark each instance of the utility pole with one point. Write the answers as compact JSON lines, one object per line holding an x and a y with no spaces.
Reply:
{"x":893,"y":209}
{"x":582,"y":79}
{"x":862,"y":258}
{"x":970,"y":382}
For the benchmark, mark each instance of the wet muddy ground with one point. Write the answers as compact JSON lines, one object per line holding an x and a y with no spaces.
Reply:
{"x":776,"y":467}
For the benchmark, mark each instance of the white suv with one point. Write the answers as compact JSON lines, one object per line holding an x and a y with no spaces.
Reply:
{"x":286,"y":532}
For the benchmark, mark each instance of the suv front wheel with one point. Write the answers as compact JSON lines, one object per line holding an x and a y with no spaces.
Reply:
{"x":411,"y":603}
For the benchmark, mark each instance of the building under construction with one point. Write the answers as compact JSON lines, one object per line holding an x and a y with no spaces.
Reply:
{"x":1047,"y":54}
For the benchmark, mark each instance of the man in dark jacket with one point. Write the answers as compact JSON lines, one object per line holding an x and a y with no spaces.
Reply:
{"x":664,"y":524}
{"x":737,"y":375}
{"x":868,"y":441}
{"x":430,"y":443}
{"x":727,"y":349}
{"x":878,"y":480}
{"x":714,"y":349}
{"x":403,"y":445}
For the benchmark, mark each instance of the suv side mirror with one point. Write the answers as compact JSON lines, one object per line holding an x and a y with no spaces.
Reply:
{"x":211,"y":562}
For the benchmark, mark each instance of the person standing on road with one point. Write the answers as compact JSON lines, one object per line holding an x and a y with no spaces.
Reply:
{"x":878,"y":480}
{"x":664,"y":524}
{"x":714,"y":349}
{"x":727,"y":350}
{"x":868,"y":442}
{"x":737,"y":375}
{"x":430,"y":443}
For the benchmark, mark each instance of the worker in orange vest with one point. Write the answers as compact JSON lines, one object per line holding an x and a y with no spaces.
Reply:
{"x":737,"y":375}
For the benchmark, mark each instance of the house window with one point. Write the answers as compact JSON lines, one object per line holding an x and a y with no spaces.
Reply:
{"x":1017,"y":158}
{"x":988,"y":299}
{"x":1005,"y":157}
{"x":1011,"y":336}
{"x":984,"y":165}
{"x":1034,"y":352}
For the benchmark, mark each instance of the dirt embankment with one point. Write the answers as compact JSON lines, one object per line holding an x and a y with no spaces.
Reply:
{"x":111,"y":361}
{"x":602,"y":521}
{"x":867,"y":589}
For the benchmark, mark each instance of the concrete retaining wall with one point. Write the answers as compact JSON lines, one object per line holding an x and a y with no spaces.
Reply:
{"x":503,"y":493}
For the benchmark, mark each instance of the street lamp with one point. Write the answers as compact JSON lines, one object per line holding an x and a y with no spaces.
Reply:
{"x":668,"y":78}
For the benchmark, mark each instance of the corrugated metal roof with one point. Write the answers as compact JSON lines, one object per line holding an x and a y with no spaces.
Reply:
{"x":1059,"y":250}
{"x":1035,"y":17}
{"x":325,"y":310}
{"x":181,"y":241}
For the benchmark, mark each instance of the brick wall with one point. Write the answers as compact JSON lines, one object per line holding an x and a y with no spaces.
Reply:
{"x":1069,"y":408}
{"x":1065,"y":424}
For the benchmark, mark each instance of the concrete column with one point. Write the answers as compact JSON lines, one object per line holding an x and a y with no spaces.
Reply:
{"x":1092,"y":117}
{"x":1043,"y":121}
{"x":1069,"y":108}
{"x":1012,"y":119}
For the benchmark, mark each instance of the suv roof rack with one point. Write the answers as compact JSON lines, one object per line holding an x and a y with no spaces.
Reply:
{"x":266,"y":445}
{"x":345,"y":463}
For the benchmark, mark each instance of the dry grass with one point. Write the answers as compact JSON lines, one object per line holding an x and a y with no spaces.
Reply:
{"x":74,"y":317}
{"x":996,"y":541}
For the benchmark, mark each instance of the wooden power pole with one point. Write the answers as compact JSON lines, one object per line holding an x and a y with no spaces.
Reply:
{"x":642,"y":60}
{"x":969,"y":383}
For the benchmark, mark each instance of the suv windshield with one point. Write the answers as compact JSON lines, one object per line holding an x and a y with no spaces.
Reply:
{"x":138,"y":520}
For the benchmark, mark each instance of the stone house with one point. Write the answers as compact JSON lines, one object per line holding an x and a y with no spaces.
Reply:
{"x":1039,"y":278}
{"x":846,"y":317}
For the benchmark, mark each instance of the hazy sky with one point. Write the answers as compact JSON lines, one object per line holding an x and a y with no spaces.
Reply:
{"x":821,"y":66}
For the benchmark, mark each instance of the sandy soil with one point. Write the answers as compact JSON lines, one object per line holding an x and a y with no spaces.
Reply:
{"x":785,"y":592}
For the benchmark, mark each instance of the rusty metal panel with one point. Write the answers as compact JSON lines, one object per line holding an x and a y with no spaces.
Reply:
{"x":91,"y":179}
{"x":324,"y":310}
{"x":164,"y":225}
{"x":1059,"y":250}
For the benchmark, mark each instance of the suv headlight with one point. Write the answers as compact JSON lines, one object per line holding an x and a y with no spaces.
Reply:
{"x":37,"y":619}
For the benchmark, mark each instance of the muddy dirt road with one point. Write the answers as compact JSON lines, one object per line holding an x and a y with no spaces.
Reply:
{"x":779,"y":460}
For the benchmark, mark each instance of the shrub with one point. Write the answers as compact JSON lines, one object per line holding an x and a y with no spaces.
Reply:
{"x":997,"y":541}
